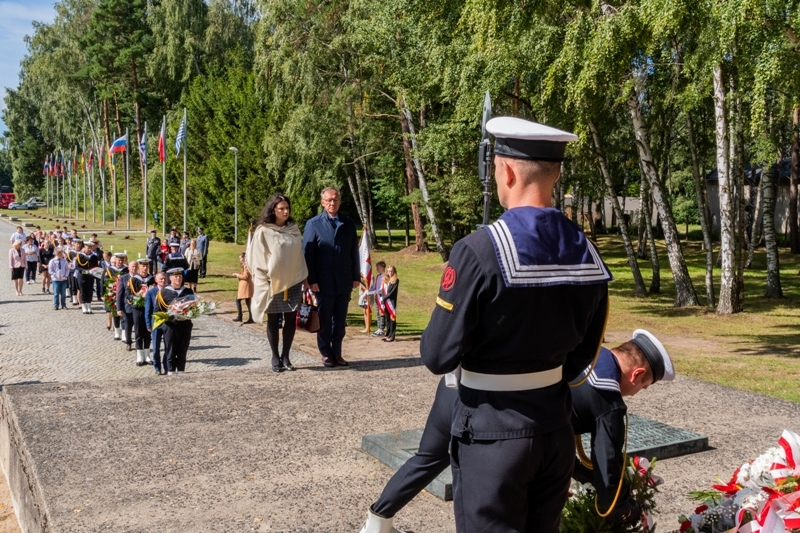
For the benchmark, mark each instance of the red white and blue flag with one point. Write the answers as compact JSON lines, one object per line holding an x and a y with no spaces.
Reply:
{"x":119,"y":146}
{"x":45,"y":167}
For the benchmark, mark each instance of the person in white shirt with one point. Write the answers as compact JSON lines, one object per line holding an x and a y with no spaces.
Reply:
{"x":19,"y":235}
{"x":59,"y":272}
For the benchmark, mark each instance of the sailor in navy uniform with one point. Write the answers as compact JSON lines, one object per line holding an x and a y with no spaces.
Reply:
{"x":521,"y":312}
{"x":112,"y":272}
{"x":85,"y":261}
{"x":72,"y":283}
{"x":143,"y":278}
{"x":125,"y":293}
{"x":175,"y":258}
{"x":598,"y":408}
{"x":153,"y":250}
{"x":176,"y":334}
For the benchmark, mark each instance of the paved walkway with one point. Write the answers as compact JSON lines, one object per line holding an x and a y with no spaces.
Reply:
{"x":40,"y":345}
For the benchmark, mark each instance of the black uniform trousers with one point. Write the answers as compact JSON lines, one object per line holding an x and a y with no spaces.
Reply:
{"x":511,"y":485}
{"x":98,"y":288}
{"x":176,"y":344}
{"x":332,"y":319}
{"x":432,"y":457}
{"x":140,"y":329}
{"x":127,"y":325}
{"x":86,"y":284}
{"x":72,"y":283}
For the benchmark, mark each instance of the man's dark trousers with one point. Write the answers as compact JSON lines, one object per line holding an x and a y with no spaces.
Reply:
{"x":202,"y":272}
{"x":332,"y":310}
{"x":530,"y":473}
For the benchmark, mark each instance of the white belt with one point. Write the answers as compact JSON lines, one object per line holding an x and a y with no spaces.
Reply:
{"x":510,"y":382}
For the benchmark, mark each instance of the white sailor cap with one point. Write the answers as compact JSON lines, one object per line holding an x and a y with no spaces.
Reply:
{"x":143,"y":261}
{"x":522,"y":139}
{"x":120,"y":254}
{"x":174,"y":245}
{"x":656,"y":355}
{"x":175,"y":271}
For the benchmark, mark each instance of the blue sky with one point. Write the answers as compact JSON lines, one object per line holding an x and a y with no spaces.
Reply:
{"x":16,"y":18}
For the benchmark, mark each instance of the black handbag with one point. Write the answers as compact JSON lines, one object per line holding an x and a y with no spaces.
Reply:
{"x":308,"y":315}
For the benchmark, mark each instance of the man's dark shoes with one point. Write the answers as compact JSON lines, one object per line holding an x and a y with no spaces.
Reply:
{"x":328,"y":362}
{"x":288,"y":364}
{"x":237,"y":319}
{"x":278,"y":368}
{"x":341,"y":362}
{"x":250,"y":321}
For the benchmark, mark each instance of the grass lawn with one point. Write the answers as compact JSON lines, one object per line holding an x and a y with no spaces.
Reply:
{"x":757,"y":350}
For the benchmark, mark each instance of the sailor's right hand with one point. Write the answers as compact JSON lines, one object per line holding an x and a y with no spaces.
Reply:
{"x":628,"y":512}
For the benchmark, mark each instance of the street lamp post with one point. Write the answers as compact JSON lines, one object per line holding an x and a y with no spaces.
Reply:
{"x":235,"y":193}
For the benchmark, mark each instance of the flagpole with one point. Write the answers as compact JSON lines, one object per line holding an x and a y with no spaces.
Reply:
{"x":144,"y":164}
{"x":83,"y":172}
{"x":185,"y":147}
{"x":77,"y":181}
{"x":127,"y":187}
{"x":93,"y":188}
{"x":47,"y":184}
{"x":164,"y":178}
{"x":114,"y":174}
{"x":101,"y":166}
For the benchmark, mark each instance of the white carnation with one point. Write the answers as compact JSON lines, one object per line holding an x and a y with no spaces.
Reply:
{"x":758,"y":471}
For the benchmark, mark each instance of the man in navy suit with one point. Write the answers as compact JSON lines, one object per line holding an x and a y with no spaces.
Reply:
{"x":330,"y":246}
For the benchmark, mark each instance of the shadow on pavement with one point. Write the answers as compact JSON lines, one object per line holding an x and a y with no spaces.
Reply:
{"x":225,"y":361}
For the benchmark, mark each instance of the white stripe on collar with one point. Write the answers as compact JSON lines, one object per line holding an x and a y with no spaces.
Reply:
{"x":516,"y":274}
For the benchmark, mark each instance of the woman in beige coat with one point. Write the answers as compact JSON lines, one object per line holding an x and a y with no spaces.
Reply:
{"x":245,"y":292}
{"x":275,"y":260}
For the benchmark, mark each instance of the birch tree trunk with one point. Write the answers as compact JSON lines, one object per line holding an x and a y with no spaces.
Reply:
{"x":794,"y":234}
{"x":411,"y":183}
{"x":755,"y":233}
{"x":737,"y":148}
{"x":768,"y":183}
{"x":423,"y":186}
{"x":684,"y":290}
{"x":726,"y":252}
{"x":623,"y":226}
{"x":699,"y":189}
{"x":641,"y":248}
{"x":655,"y":282}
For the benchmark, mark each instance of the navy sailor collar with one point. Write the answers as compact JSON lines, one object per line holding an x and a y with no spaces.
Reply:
{"x":540,"y":247}
{"x":606,"y":373}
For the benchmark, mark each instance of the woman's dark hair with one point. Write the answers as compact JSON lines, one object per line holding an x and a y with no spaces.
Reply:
{"x":268,"y":213}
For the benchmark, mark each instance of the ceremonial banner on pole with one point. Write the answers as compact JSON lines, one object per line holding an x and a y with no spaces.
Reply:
{"x":366,"y":278}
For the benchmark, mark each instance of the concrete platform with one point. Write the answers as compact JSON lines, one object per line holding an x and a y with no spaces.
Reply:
{"x":244,"y":450}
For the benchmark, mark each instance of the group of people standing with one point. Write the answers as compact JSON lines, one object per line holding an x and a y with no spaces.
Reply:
{"x":131,"y":291}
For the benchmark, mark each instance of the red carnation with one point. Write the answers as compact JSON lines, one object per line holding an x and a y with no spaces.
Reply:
{"x":685,"y":526}
{"x":700,"y":509}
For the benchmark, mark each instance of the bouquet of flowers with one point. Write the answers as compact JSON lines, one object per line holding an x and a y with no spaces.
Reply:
{"x":110,"y":295}
{"x":579,"y":514}
{"x":762,"y":496}
{"x":138,"y":299}
{"x":185,"y":308}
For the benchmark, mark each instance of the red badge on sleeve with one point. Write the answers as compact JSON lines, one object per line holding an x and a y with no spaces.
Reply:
{"x":448,"y":278}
